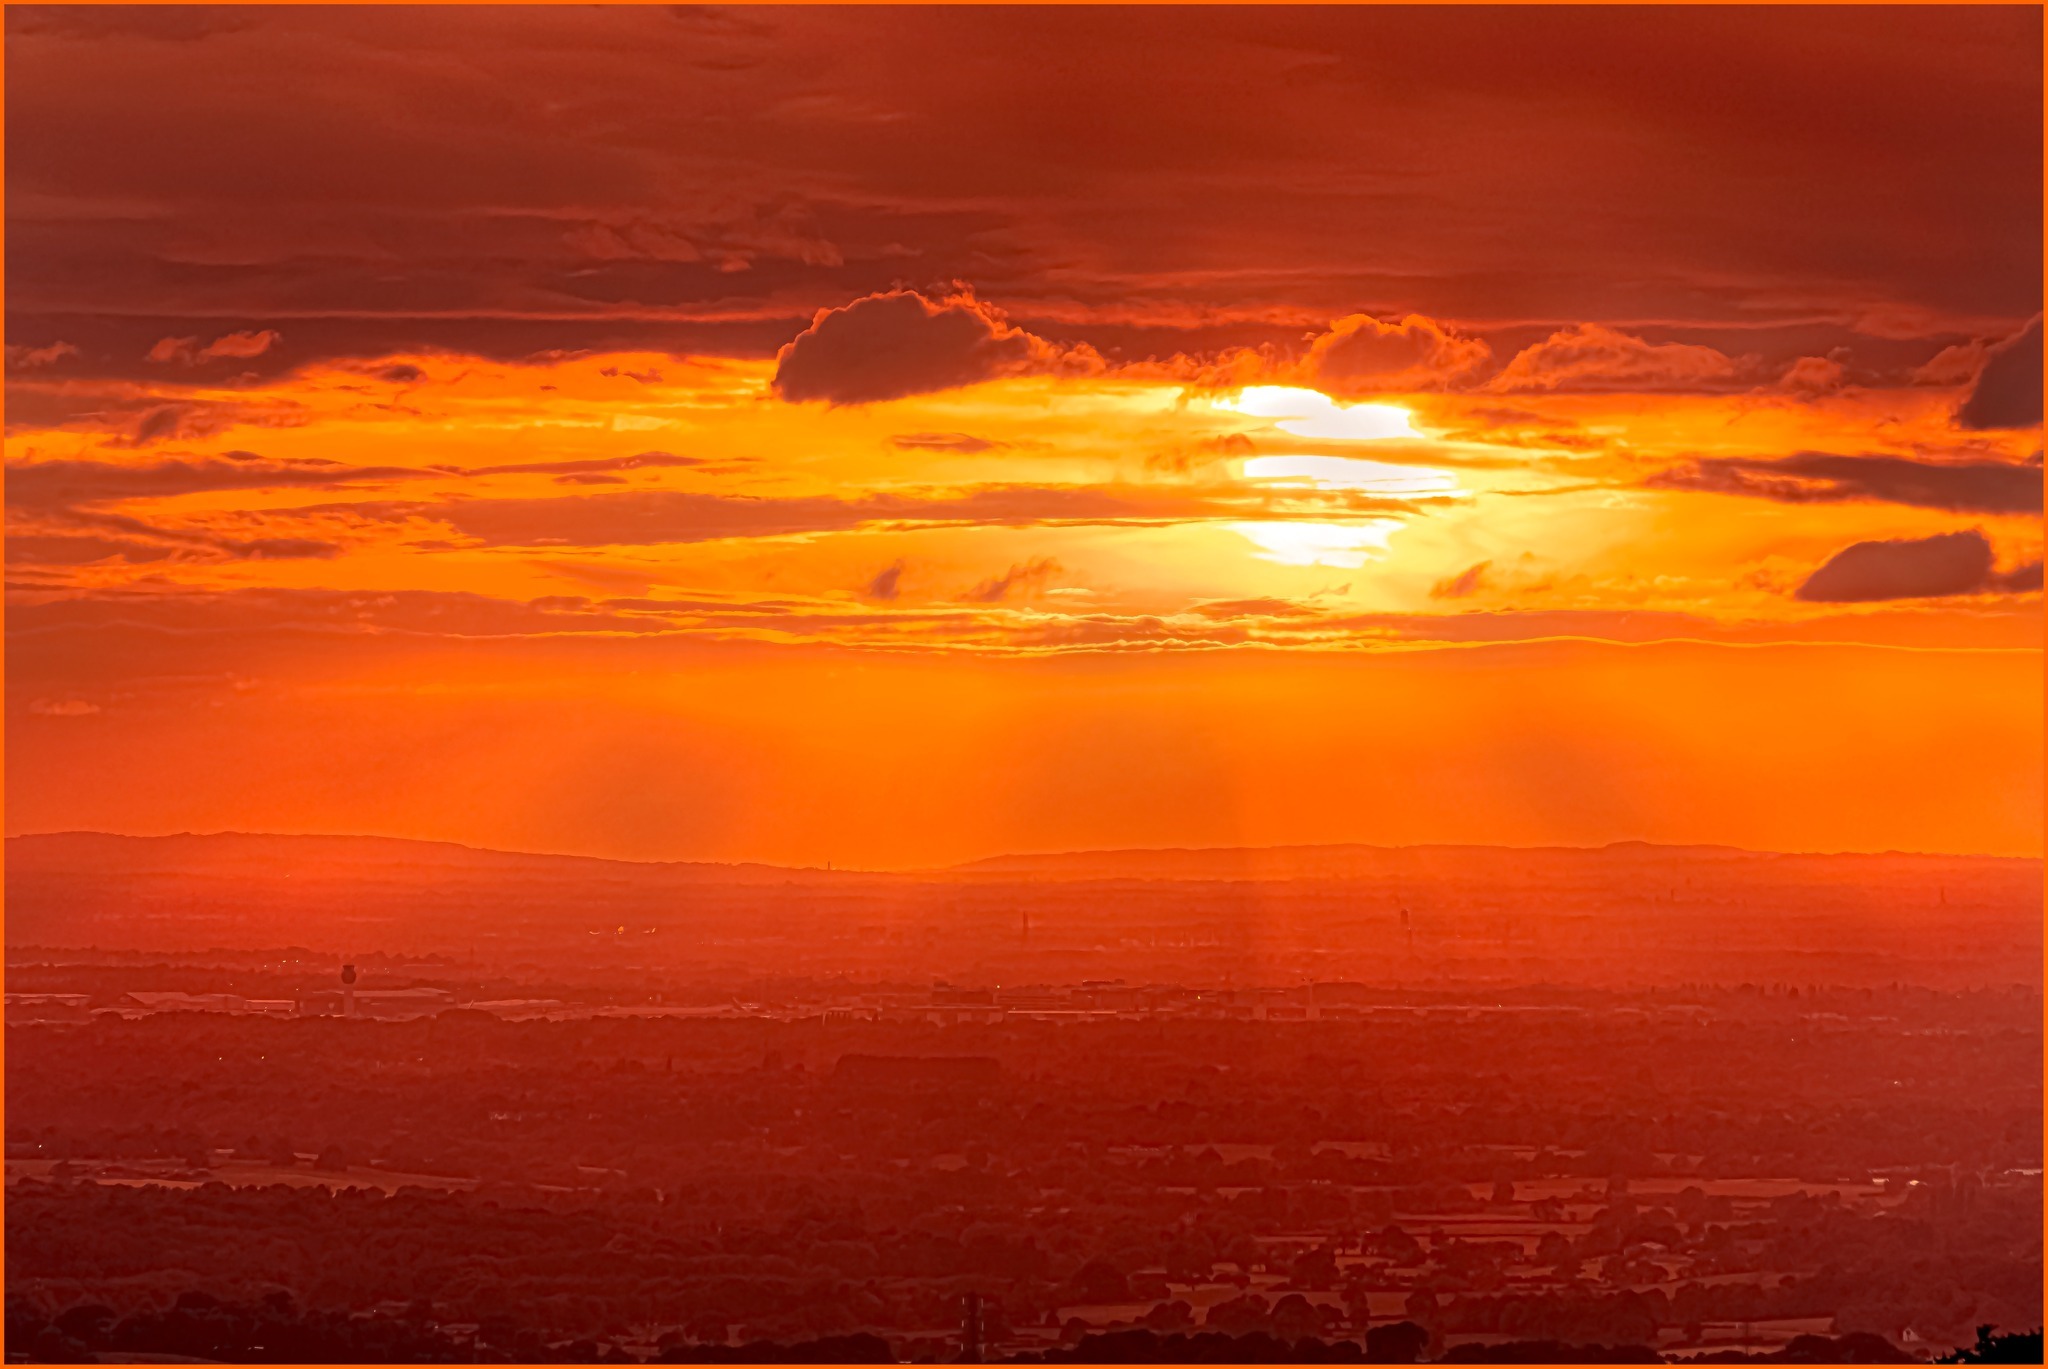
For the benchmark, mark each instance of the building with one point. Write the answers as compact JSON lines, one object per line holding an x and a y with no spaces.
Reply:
{"x":387,"y":1005}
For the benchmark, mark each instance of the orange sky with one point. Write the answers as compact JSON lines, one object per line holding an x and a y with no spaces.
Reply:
{"x":895,"y":437}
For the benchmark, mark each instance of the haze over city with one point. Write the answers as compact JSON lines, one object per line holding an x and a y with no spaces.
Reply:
{"x":1034,"y":684}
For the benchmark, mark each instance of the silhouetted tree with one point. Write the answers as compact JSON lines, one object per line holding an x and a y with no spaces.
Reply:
{"x":1402,"y":1342}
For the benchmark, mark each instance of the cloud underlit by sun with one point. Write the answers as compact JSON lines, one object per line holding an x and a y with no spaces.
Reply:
{"x":1346,"y":546}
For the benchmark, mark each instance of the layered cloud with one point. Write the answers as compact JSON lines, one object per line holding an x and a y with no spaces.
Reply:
{"x":972,"y":622}
{"x":41,"y":484}
{"x":1206,"y":196}
{"x":656,"y":517}
{"x":1825,"y":478}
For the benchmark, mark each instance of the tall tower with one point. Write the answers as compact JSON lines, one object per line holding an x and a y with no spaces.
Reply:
{"x":970,"y":1329}
{"x":348,"y":991}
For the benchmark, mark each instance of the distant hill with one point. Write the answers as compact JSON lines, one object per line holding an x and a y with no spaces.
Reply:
{"x":270,"y":855}
{"x":267,"y":854}
{"x":1371,"y":862}
{"x":1618,"y":913}
{"x":244,"y":889}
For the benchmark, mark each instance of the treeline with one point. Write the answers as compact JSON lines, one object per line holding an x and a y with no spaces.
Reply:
{"x":1792,"y":1094}
{"x":596,"y":1266}
{"x":274,"y":1330}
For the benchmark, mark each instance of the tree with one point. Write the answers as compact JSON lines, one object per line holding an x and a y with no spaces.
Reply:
{"x":1296,"y":1318}
{"x":1246,"y":1312}
{"x":1402,"y":1342}
{"x":1316,"y":1269}
{"x":1169,"y":1316}
{"x":1992,"y":1347}
{"x":1099,"y":1281}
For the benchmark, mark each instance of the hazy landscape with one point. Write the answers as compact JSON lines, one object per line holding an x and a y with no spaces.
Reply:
{"x":1695,"y":1101}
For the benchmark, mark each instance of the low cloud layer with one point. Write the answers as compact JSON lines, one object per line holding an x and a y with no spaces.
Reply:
{"x":653,"y":517}
{"x":1825,"y":478}
{"x":47,"y":484}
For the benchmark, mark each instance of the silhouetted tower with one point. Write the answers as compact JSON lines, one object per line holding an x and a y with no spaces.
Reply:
{"x":970,"y":1329}
{"x":1027,"y":926}
{"x":348,"y":991}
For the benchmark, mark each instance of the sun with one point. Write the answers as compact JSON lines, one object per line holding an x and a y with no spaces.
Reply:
{"x":1311,"y":413}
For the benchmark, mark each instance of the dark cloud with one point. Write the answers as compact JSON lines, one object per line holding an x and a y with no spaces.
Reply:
{"x":2008,"y":390}
{"x":145,"y":633}
{"x":2025,"y":579}
{"x":186,"y":351}
{"x":163,"y":23}
{"x":1254,"y":608}
{"x":71,"y":536}
{"x":35,"y":358}
{"x":637,"y":462}
{"x":261,"y":612}
{"x":279,"y":548}
{"x":144,"y":423}
{"x":1462,"y":585}
{"x":944,"y":442}
{"x":1185,"y":457}
{"x":44,"y":484}
{"x":901,"y":343}
{"x":888,"y":582}
{"x":52,"y":483}
{"x":1827,"y":478}
{"x":1812,"y":377}
{"x":1028,"y":577}
{"x":1937,"y":567}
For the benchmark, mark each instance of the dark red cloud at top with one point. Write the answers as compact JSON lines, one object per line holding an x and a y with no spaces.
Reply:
{"x":504,"y":180}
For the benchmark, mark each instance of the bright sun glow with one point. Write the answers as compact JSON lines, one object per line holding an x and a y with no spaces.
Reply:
{"x":1352,"y":473}
{"x":1343,"y":545}
{"x":1311,"y":413}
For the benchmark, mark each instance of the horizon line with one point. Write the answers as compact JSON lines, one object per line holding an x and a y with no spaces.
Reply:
{"x":831,"y":867}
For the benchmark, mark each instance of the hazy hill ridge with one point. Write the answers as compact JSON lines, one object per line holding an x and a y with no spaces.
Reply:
{"x":107,"y":853}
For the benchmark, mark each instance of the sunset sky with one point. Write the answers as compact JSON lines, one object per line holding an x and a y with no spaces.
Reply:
{"x":897,"y":436}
